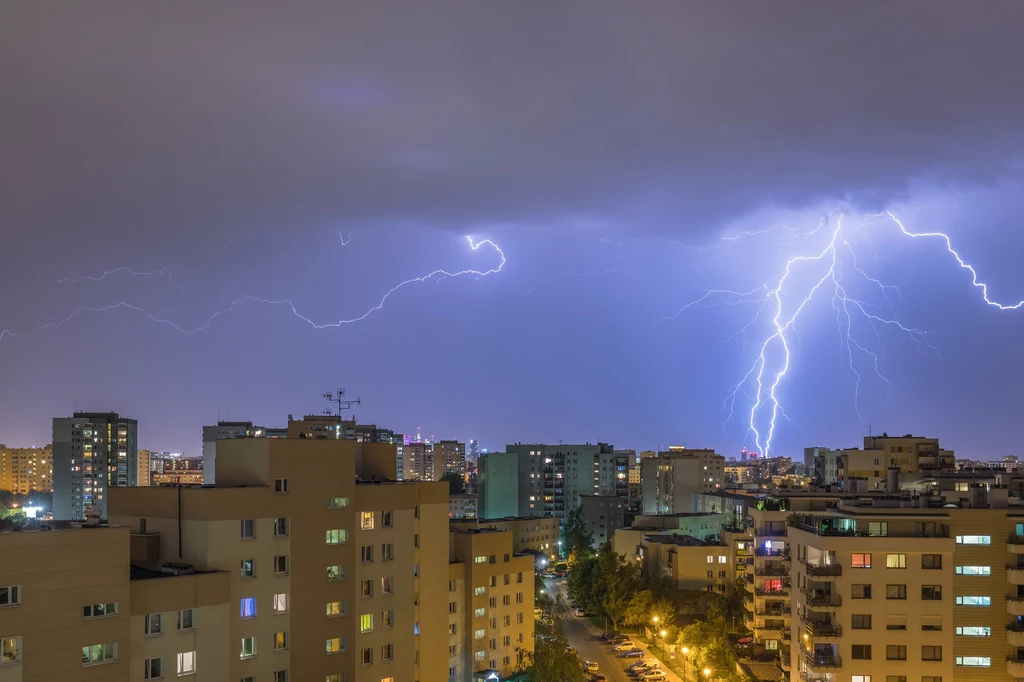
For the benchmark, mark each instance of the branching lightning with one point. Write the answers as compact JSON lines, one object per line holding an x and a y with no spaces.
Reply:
{"x":435,"y":275}
{"x":832,"y":272}
{"x":345,"y":241}
{"x":163,"y":272}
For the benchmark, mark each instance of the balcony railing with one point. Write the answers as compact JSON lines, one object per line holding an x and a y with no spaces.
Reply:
{"x":786,"y":635}
{"x":765,"y":611}
{"x":938,"y":532}
{"x":770,"y":570}
{"x":819,"y":660}
{"x":819,"y":599}
{"x":822,"y":569}
{"x":780,"y":553}
{"x":823,"y":629}
{"x":762,"y":592}
{"x":771,"y":532}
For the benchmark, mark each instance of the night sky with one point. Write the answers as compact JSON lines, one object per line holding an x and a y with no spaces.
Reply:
{"x":625,"y":157}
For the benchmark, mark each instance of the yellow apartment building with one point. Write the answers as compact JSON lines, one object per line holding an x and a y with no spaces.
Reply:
{"x":26,"y":470}
{"x":890,"y":588}
{"x":529,"y":533}
{"x":490,"y":607}
{"x":74,"y":608}
{"x":911,"y":454}
{"x":331,"y":578}
{"x":691,"y":563}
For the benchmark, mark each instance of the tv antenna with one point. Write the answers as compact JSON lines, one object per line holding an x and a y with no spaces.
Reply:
{"x":338,"y":398}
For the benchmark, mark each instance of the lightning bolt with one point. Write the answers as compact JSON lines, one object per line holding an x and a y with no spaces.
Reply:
{"x":830,"y":272}
{"x":99,"y":278}
{"x":435,"y":275}
{"x":345,"y":241}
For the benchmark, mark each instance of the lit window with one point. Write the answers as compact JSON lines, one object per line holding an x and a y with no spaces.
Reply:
{"x":248,"y":569}
{"x":153,"y":624}
{"x":99,"y":653}
{"x":366,"y":520}
{"x":974,"y":601}
{"x":337,"y":503}
{"x":247,"y":607}
{"x":973,"y":631}
{"x":337,"y":572}
{"x":280,"y":641}
{"x":895,"y":560}
{"x":187,"y":663}
{"x":248,"y":647}
{"x":281,"y":603}
{"x":366,"y":622}
{"x":387,"y":618}
{"x":338,"y":536}
{"x":974,"y":539}
{"x":974,"y":570}
{"x":860,"y":561}
{"x":336,"y":644}
{"x":337,"y":608}
{"x":10,"y":649}
{"x":974,"y":661}
{"x":386,"y":585}
{"x":100,"y":610}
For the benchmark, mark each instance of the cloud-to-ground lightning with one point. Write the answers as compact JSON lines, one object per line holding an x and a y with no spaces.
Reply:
{"x":287,"y":303}
{"x":831,"y":271}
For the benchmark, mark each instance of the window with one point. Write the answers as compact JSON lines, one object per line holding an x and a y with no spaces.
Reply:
{"x":10,"y":595}
{"x":281,"y":603}
{"x":366,"y":589}
{"x":366,"y":520}
{"x":974,"y":570}
{"x":895,"y":622}
{"x":480,"y":613}
{"x":333,"y":677}
{"x":366,"y":622}
{"x":974,"y":539}
{"x":248,"y":529}
{"x":453,"y":607}
{"x":861,"y":621}
{"x":898,"y":678}
{"x":10,"y":649}
{"x":452,"y":630}
{"x":860,"y":678}
{"x":974,"y":601}
{"x":187,"y":663}
{"x":100,"y":610}
{"x":280,"y":485}
{"x":387,"y":618}
{"x":895,"y":591}
{"x":247,"y":607}
{"x":366,"y":553}
{"x":387,"y":518}
{"x":154,"y":624}
{"x":186,"y":619}
{"x":387,"y":653}
{"x":860,"y":561}
{"x":280,"y":527}
{"x":279,"y":676}
{"x":930,"y":678}
{"x":932,"y":592}
{"x":280,"y":641}
{"x":337,"y":502}
{"x":336,"y":644}
{"x":281,"y":564}
{"x":387,"y":552}
{"x":99,"y":653}
{"x":479,"y":655}
{"x":895,"y":560}
{"x":366,"y":657}
{"x":479,"y":591}
{"x":973,"y":631}
{"x":506,"y":600}
{"x":337,"y":608}
{"x":931,"y":561}
{"x":248,"y":569}
{"x":931,"y":653}
{"x":896,"y":652}
{"x":861,"y":592}
{"x":386,"y":585}
{"x":152,"y":669}
{"x":974,"y":661}
{"x":861,"y":652}
{"x":479,"y":634}
{"x":479,"y":560}
{"x":933,"y":623}
{"x":337,"y":573}
{"x":711,"y":559}
{"x":248,"y":647}
{"x":721,"y":558}
{"x":338,"y":536}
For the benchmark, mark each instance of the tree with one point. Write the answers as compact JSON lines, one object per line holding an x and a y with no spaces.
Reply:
{"x":574,"y":533}
{"x":639,"y":610}
{"x":618,"y":580}
{"x":456,"y":483}
{"x":550,"y":659}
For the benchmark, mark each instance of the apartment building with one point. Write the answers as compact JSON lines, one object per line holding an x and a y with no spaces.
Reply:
{"x":539,"y":534}
{"x":602,"y":516}
{"x":498,"y":487}
{"x":670,"y":480}
{"x":328,"y":580}
{"x":451,"y":454}
{"x":420,"y":462}
{"x":92,"y":453}
{"x":462,"y":506}
{"x":26,"y":470}
{"x":699,"y":525}
{"x":912,"y":454}
{"x":491,"y":604}
{"x":690,"y":563}
{"x":100,"y":616}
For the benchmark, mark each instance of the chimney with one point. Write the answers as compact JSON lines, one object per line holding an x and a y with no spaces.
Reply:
{"x":892,"y":483}
{"x":979,"y":496}
{"x":92,"y":516}
{"x":998,"y":497}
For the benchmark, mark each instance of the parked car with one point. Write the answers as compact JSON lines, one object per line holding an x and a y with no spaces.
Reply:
{"x":610,"y":633}
{"x":578,"y":613}
{"x":590,"y":666}
{"x":636,"y":666}
{"x":653,"y":676}
{"x":598,"y":678}
{"x":632,"y":653}
{"x":624,"y":645}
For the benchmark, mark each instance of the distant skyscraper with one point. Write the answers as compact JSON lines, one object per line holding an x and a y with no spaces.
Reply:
{"x":452,"y":454}
{"x":92,"y":451}
{"x":551,"y":478}
{"x":25,"y":470}
{"x":473,"y":451}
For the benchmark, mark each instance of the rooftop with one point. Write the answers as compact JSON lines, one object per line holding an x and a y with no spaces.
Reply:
{"x":680,"y":540}
{"x":140,"y":572}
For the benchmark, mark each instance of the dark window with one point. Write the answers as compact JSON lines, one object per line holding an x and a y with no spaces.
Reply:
{"x":931,"y":653}
{"x":896,"y":652}
{"x":861,"y":621}
{"x":933,"y":592}
{"x":861,"y":652}
{"x":895,"y":591}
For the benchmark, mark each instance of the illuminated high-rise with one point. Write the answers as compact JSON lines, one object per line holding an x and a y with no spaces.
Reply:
{"x":92,"y":452}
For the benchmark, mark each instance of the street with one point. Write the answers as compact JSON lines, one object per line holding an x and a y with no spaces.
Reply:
{"x":582,"y":635}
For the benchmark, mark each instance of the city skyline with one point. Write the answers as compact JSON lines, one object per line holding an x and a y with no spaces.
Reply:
{"x":585,"y":239}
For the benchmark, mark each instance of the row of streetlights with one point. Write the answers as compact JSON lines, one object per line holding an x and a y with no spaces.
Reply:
{"x":685,"y":650}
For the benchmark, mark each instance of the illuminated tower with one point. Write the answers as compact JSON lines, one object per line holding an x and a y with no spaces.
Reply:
{"x":92,"y":451}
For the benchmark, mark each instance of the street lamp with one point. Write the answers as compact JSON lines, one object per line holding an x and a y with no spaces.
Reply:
{"x":707,"y":673}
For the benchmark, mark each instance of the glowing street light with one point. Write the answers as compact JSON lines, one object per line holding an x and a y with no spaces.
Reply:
{"x":707,"y":673}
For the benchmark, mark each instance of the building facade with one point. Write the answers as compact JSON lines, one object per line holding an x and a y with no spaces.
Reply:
{"x":451,"y":454}
{"x":92,"y":453}
{"x":602,"y":516}
{"x":671,"y":479}
{"x":551,"y":478}
{"x":328,"y":578}
{"x":462,"y":507}
{"x":535,"y":534}
{"x":26,"y":470}
{"x":498,"y":486}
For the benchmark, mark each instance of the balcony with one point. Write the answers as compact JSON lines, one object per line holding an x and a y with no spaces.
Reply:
{"x":822,"y":661}
{"x":770,"y":532}
{"x":822,"y":600}
{"x":781,"y":594}
{"x":748,"y":583}
{"x":787,"y":635}
{"x":815,"y":569}
{"x":770,"y":569}
{"x":1015,"y":635}
{"x":1015,"y":544}
{"x":822,"y":630}
{"x":1015,"y":666}
{"x":1015,"y":606}
{"x":748,"y":620}
{"x":778,"y":553}
{"x":772,"y":612}
{"x":785,"y":662}
{"x":1015,"y":575}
